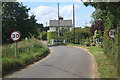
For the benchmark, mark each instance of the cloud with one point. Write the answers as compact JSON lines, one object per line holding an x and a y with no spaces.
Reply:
{"x":46,"y":13}
{"x":67,"y":11}
{"x":43,"y":10}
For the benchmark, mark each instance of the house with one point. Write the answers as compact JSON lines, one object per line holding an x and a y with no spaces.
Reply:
{"x":66,"y":24}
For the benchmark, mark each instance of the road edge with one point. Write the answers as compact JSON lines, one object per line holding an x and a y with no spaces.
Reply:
{"x":94,"y":67}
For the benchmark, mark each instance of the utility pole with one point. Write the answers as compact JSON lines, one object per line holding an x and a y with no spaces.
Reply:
{"x":73,"y":24}
{"x":58,"y":22}
{"x":86,"y":24}
{"x":46,"y":24}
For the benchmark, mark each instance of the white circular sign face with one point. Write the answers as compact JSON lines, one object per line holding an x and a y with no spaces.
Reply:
{"x":111,"y":33}
{"x":15,"y":35}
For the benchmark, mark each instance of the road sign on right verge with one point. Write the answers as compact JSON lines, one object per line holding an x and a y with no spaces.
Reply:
{"x":111,"y":33}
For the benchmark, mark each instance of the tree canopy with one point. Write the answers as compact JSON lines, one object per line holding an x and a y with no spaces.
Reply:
{"x":109,"y":14}
{"x":15,"y":17}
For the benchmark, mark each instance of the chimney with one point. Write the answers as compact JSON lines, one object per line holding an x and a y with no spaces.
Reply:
{"x":60,"y":18}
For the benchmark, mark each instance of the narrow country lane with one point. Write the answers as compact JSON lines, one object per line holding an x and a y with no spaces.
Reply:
{"x":62,"y":62}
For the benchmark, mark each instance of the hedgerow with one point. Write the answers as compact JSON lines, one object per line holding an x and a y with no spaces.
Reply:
{"x":27,"y":54}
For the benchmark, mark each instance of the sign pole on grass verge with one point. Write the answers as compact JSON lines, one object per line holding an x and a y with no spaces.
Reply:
{"x":15,"y":36}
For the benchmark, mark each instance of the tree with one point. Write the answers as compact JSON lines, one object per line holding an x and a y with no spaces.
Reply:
{"x":44,"y":35}
{"x":15,"y":17}
{"x":97,"y":25}
{"x":109,"y":14}
{"x":68,"y":37}
{"x":80,"y":35}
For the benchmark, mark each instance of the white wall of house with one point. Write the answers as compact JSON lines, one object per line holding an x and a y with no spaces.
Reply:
{"x":63,"y":24}
{"x":71,"y":28}
{"x":55,"y":28}
{"x":52,"y":29}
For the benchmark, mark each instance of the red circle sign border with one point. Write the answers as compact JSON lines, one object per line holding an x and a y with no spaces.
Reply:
{"x":17,"y":39}
{"x":109,"y":31}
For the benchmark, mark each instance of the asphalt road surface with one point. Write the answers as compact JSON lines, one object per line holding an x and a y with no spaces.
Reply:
{"x":62,"y":62}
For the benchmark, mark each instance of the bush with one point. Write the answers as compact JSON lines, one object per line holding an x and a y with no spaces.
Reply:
{"x":52,"y":35}
{"x":27,"y":55}
{"x":109,"y":46}
{"x":87,"y":43}
{"x":10,"y":64}
{"x":93,"y":44}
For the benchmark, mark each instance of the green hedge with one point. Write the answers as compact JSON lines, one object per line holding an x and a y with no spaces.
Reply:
{"x":27,"y":55}
{"x":52,"y":35}
{"x":109,"y":46}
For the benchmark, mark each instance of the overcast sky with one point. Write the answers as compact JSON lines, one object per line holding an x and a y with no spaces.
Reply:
{"x":46,"y":11}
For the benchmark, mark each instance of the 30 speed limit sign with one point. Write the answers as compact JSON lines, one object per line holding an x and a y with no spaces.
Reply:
{"x":111,"y":33}
{"x":15,"y":35}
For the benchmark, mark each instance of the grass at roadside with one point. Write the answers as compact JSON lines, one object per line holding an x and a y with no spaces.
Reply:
{"x":29,"y":51}
{"x":105,"y":66}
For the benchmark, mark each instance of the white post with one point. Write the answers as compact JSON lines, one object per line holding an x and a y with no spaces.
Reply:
{"x":52,"y":41}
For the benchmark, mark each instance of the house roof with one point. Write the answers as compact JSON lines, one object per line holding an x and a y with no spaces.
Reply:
{"x":63,"y":23}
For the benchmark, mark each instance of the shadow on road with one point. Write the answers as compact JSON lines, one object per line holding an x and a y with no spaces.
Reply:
{"x":53,"y":45}
{"x":44,"y":64}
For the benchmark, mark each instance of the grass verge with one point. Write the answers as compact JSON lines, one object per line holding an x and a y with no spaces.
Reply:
{"x":105,"y":66}
{"x":29,"y":52}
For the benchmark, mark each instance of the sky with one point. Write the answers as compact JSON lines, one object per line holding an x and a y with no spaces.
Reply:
{"x":46,"y":11}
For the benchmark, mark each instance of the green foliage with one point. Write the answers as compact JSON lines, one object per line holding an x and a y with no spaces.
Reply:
{"x":87,"y":43}
{"x":15,"y":17}
{"x":63,"y":30}
{"x":23,"y":47}
{"x":44,"y":35}
{"x":78,"y":36}
{"x":93,"y":44}
{"x":81,"y":34}
{"x":52,"y":35}
{"x":106,"y":68}
{"x":109,"y":13}
{"x":68,"y":36}
{"x":112,"y":49}
{"x":29,"y":51}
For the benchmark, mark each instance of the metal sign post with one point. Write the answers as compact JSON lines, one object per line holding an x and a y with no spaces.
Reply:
{"x":111,"y":34}
{"x":15,"y":49}
{"x":15,"y":36}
